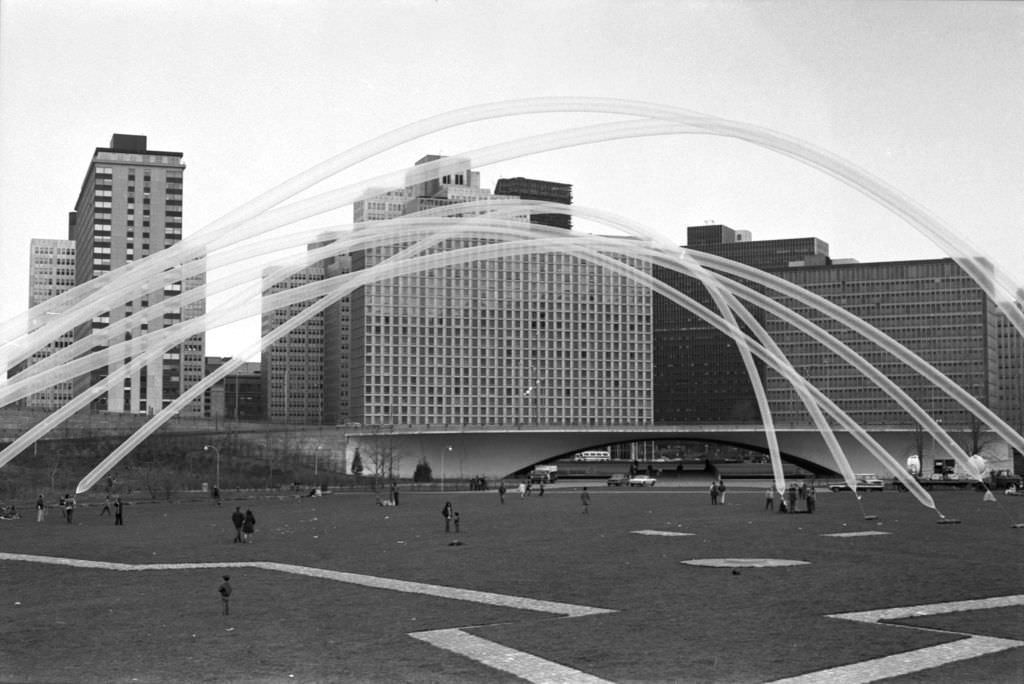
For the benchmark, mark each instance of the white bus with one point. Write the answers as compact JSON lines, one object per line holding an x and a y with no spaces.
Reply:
{"x":592,"y":456}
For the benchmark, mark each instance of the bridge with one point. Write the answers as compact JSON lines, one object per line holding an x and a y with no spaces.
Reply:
{"x":496,"y":451}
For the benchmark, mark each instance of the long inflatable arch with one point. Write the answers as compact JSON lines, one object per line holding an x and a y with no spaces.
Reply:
{"x":248,"y":233}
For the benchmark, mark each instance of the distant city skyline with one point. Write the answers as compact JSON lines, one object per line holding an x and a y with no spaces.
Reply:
{"x":924,"y":95}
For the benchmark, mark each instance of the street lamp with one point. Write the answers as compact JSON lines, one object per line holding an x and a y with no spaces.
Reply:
{"x":316,"y":461}
{"x":207,"y":447}
{"x":442,"y":466}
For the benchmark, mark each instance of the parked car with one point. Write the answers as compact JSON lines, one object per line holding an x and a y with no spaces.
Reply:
{"x":866,"y":482}
{"x":618,"y":480}
{"x":642,"y":481}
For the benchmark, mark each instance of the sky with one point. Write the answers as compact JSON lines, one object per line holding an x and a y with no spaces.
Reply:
{"x":927,"y":96}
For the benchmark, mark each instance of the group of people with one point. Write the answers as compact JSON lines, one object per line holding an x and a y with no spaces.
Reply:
{"x":525,"y":489}
{"x":796,"y":499}
{"x":67,"y":505}
{"x":245,"y":525}
{"x":451,"y":517}
{"x":717,"y":491}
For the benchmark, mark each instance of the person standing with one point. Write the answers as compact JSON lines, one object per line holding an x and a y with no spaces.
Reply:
{"x":394,"y":493}
{"x":713,"y":491}
{"x":118,"y":511}
{"x":585,"y":500}
{"x":225,"y":593}
{"x":69,"y":508}
{"x":40,"y":509}
{"x":448,"y":514}
{"x":237,"y":518}
{"x":769,"y":499}
{"x":501,"y":492}
{"x":791,"y":498}
{"x":456,"y":518}
{"x":721,"y":491}
{"x":248,"y":526}
{"x":106,"y":507}
{"x":811,"y":501}
{"x":216,"y":495}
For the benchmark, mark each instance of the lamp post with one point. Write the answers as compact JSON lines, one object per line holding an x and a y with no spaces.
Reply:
{"x":316,"y":461}
{"x":442,"y":466}
{"x":207,"y":447}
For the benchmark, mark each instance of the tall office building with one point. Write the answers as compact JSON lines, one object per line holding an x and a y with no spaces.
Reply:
{"x":541,"y":339}
{"x":51,"y":272}
{"x":546,"y":191}
{"x":130,"y":206}
{"x":239,"y":396}
{"x":930,"y":306}
{"x":699,"y":375}
{"x":292,"y":368}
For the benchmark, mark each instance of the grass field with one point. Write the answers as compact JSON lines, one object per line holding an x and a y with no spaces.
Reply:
{"x":670,"y":622}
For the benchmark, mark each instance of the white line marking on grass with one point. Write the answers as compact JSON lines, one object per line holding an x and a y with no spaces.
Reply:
{"x":486,"y":597}
{"x":927,"y":609}
{"x":519,"y":663}
{"x":909,"y":662}
{"x":471,"y":595}
{"x":491,"y":654}
{"x":866,"y":533}
{"x":663,"y":533}
{"x":743,"y":562}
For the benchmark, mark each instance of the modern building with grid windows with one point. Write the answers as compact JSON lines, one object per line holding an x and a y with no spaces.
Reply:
{"x":930,"y":306}
{"x":51,"y":272}
{"x":130,"y":206}
{"x":292,"y":368}
{"x":699,"y":376}
{"x":538,"y":340}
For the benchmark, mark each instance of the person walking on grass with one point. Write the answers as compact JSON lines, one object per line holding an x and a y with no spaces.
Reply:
{"x":248,"y":526}
{"x":501,"y":492}
{"x":585,"y":500}
{"x":118,"y":511}
{"x":769,"y":499}
{"x":40,"y":509}
{"x":69,"y":508}
{"x":106,"y":507}
{"x":225,"y":594}
{"x":237,"y":518}
{"x":448,"y":514}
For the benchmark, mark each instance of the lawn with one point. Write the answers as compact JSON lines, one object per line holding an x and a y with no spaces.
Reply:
{"x":671,"y":622}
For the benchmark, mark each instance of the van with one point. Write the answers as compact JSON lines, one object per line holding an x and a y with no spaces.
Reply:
{"x":544,"y":473}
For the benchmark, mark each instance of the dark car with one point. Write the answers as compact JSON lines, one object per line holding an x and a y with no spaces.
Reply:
{"x":618,"y":480}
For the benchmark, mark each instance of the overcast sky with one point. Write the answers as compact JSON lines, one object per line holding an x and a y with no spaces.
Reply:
{"x":928,"y":96}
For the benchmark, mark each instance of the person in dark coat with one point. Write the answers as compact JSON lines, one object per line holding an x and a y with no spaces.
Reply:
{"x":118,"y":511}
{"x":448,"y":514}
{"x":225,"y":593}
{"x":237,"y":518}
{"x":248,"y":526}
